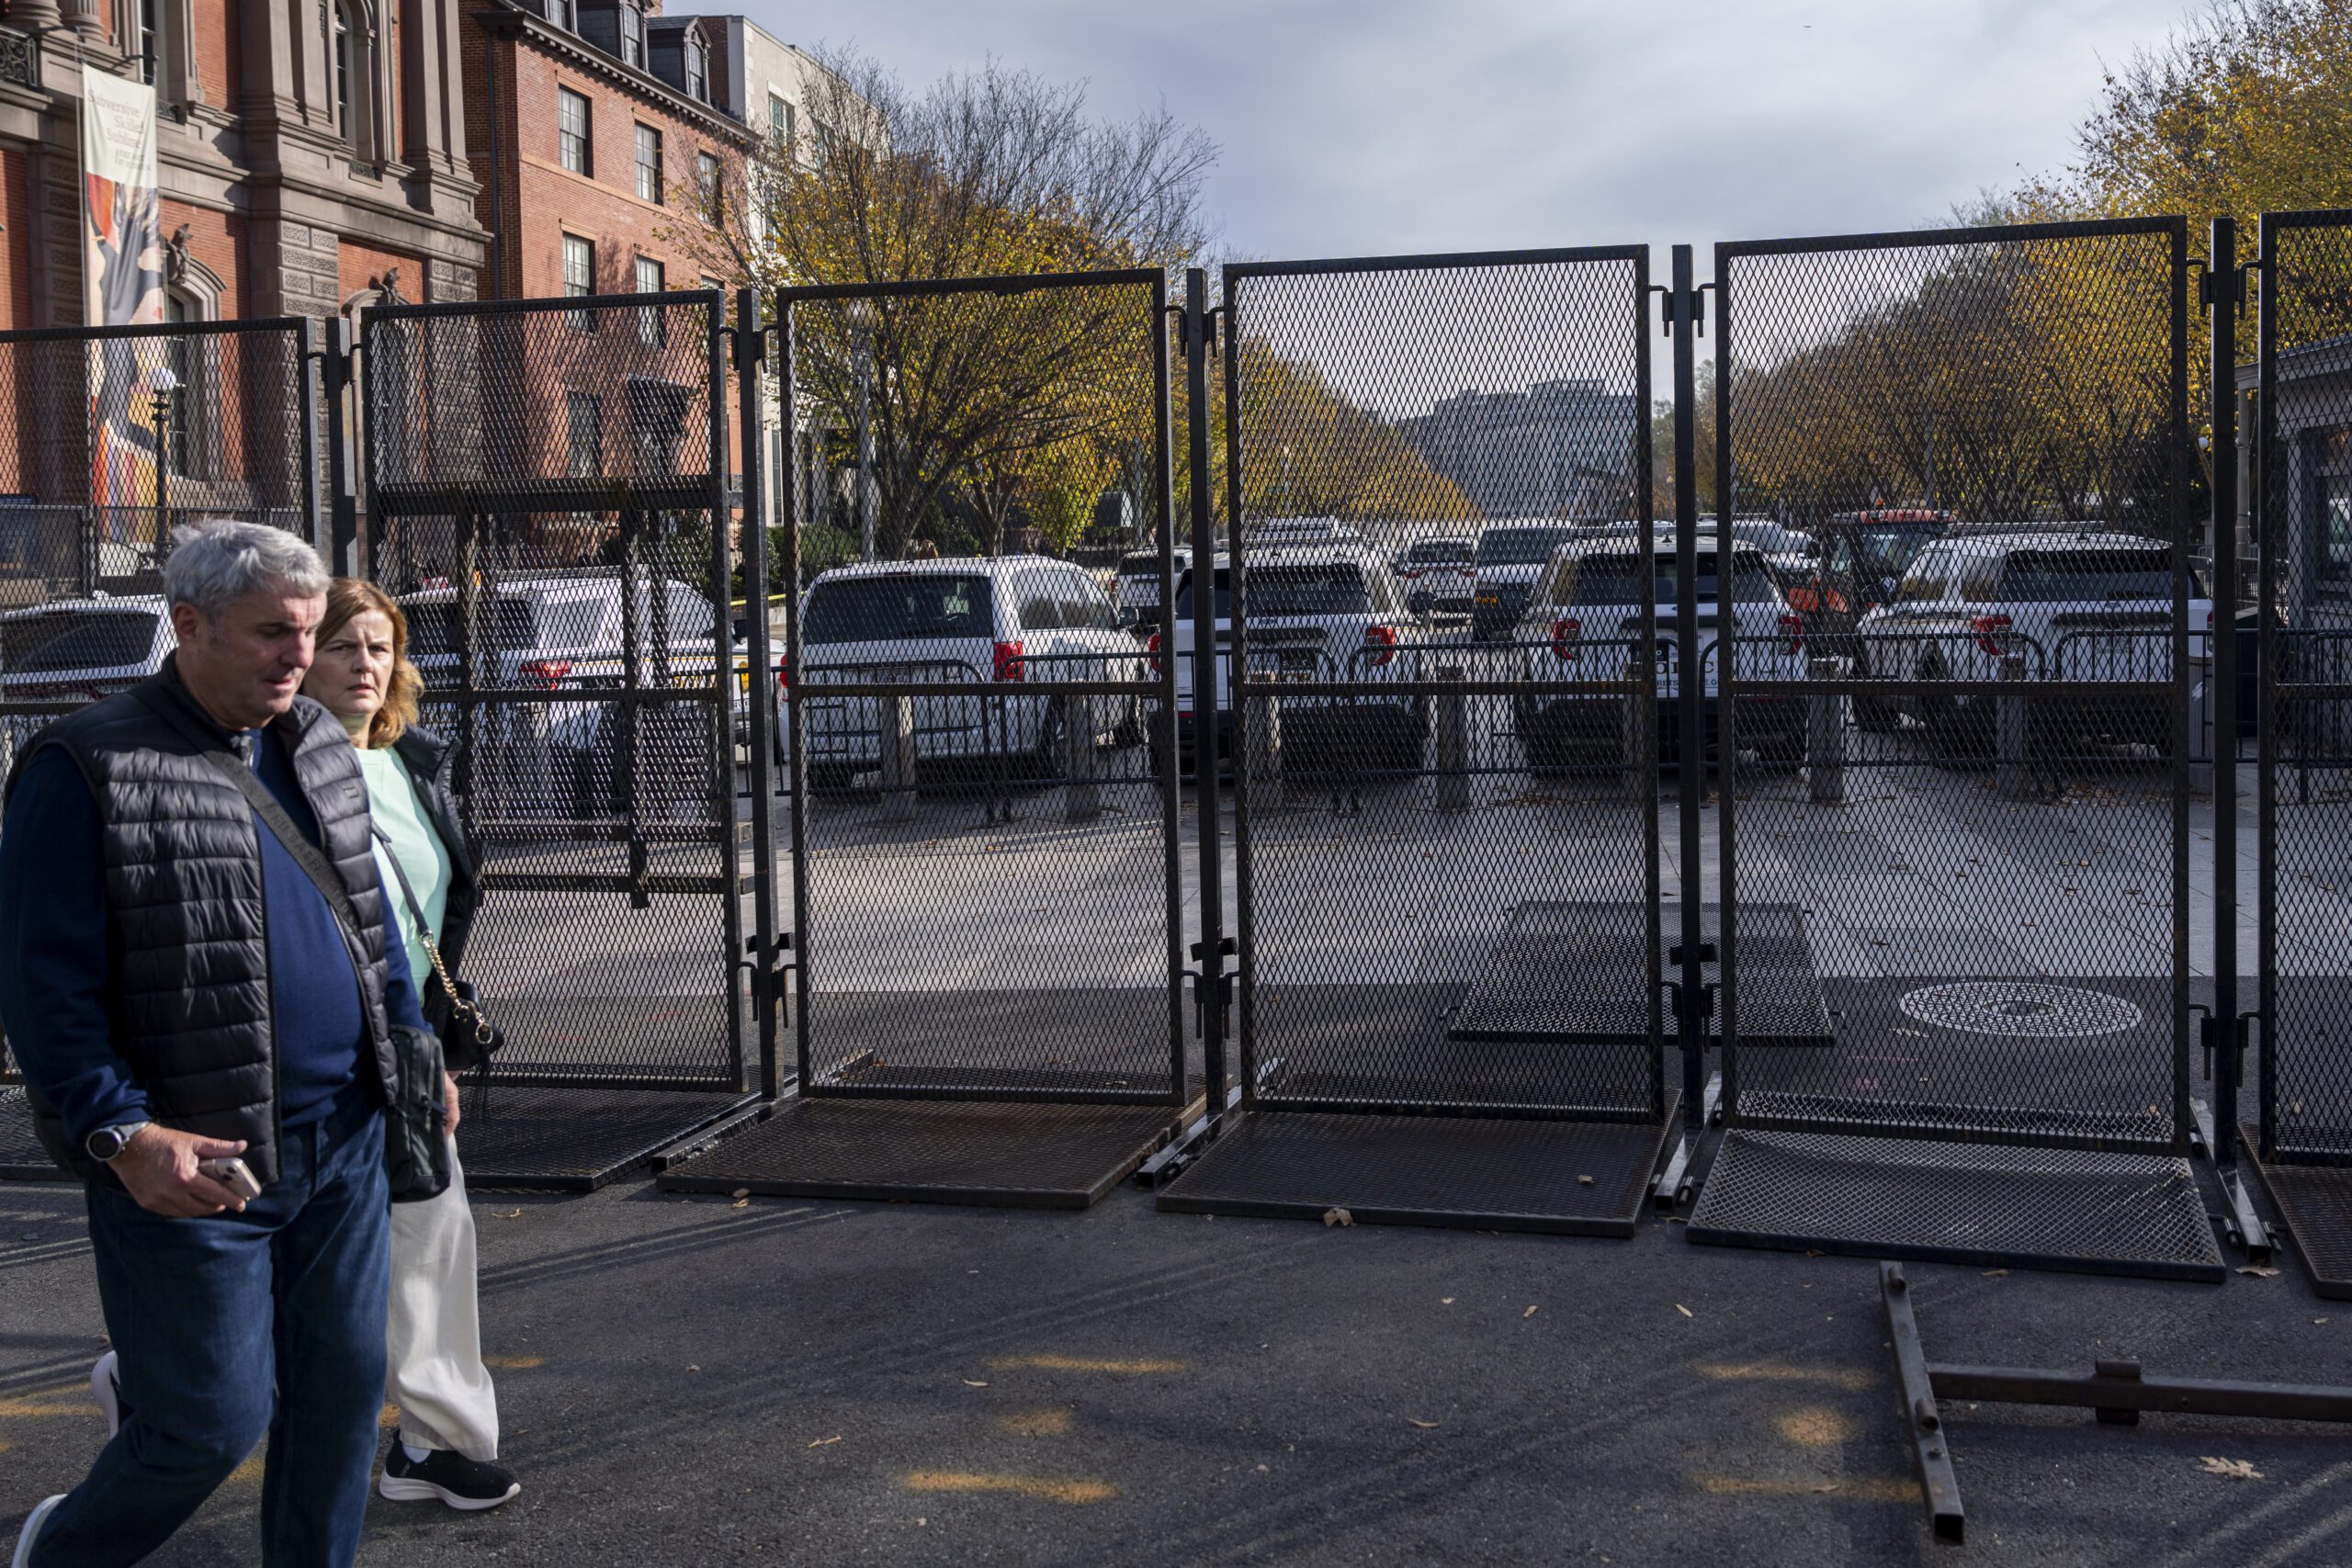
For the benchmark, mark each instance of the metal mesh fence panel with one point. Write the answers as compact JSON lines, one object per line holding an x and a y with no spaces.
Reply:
{"x":549,"y":498}
{"x":985,"y":809}
{"x":1440,"y":664}
{"x":2304,"y":858}
{"x":1966,"y":637}
{"x":110,"y":439}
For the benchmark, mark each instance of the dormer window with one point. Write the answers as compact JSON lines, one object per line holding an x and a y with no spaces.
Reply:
{"x":563,"y":14}
{"x":632,"y":36}
{"x":697,"y":76}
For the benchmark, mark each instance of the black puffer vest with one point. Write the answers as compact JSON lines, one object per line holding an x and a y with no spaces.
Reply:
{"x":187,"y":991}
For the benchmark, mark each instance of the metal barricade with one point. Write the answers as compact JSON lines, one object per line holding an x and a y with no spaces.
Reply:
{"x":1998,"y":902}
{"x":2302,"y":1130}
{"x":988,"y":894}
{"x":1430,"y":655}
{"x":549,"y":500}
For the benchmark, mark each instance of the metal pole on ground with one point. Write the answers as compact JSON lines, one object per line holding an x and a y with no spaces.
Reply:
{"x":1452,"y":743}
{"x":759,"y":687}
{"x":1690,"y":690}
{"x":2012,"y":778}
{"x":1825,"y":743}
{"x":1206,"y":761}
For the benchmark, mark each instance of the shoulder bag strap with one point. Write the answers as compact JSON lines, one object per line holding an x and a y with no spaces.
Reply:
{"x":416,"y":909}
{"x":314,"y":864}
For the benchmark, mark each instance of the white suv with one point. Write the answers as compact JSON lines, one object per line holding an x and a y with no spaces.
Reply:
{"x":1583,"y":621}
{"x":58,"y":657}
{"x":2078,"y":601}
{"x":993,"y":623}
{"x":1137,"y":593}
{"x":1317,"y":613}
{"x":1511,"y":556}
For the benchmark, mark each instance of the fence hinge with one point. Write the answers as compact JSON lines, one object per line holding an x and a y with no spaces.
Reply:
{"x":1694,"y":305}
{"x":2209,"y":286}
{"x":1184,"y":326}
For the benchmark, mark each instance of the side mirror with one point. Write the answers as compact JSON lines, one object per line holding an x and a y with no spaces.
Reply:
{"x":1127,"y":616}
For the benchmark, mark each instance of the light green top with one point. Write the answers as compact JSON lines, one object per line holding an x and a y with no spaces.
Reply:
{"x":391,"y":800}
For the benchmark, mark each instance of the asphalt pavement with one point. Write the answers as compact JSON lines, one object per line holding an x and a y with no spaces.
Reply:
{"x":695,"y":1380}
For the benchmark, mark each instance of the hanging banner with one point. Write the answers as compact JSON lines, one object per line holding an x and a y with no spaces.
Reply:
{"x":122,"y":271}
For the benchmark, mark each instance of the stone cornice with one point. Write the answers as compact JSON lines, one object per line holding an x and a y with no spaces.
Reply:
{"x":507,"y":21}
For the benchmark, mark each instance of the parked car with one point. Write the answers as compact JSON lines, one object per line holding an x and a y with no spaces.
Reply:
{"x":1299,"y":531}
{"x":63,"y":654}
{"x":1510,"y":558}
{"x":1859,"y":559}
{"x":571,"y":632}
{"x":1789,"y":551}
{"x":1317,"y":613}
{"x":1440,"y":575}
{"x":1583,"y":621}
{"x":992,"y":624}
{"x":1137,"y":596}
{"x":2077,"y":603}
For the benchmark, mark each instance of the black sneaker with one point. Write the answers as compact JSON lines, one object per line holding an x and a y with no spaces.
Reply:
{"x":461,"y":1483}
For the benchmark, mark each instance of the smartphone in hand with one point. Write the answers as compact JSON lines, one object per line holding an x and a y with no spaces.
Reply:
{"x":232,"y":1174}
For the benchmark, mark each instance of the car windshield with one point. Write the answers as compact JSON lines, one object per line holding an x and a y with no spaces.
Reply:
{"x":2042,"y":577}
{"x":1143,"y":563}
{"x":1518,"y":546}
{"x":1431,"y":552}
{"x":1894,"y":547}
{"x":1606,"y":579}
{"x":1317,"y":588}
{"x":917,"y":606}
{"x":76,"y":639}
{"x":506,"y":621}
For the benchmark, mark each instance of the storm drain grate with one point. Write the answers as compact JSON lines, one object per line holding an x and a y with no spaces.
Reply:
{"x":2028,"y":1009}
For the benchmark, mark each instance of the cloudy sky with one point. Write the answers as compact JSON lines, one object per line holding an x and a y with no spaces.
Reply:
{"x":1395,"y":126}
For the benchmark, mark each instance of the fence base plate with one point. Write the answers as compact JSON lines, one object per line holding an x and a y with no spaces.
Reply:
{"x":1004,"y":1153}
{"x":1566,"y":1177}
{"x":1949,"y":1202}
{"x":576,"y":1140}
{"x":2316,"y":1201}
{"x":21,"y":1156}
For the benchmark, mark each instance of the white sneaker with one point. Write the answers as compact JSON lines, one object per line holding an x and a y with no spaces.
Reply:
{"x":33,"y":1521}
{"x":109,"y":1397}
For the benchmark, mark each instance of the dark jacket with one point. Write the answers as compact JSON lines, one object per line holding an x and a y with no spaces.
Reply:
{"x":188,"y":999}
{"x":431,"y":763}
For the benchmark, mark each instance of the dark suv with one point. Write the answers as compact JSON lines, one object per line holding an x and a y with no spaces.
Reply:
{"x":1860,"y":558}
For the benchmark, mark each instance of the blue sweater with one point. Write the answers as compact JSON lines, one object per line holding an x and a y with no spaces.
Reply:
{"x":55,"y":965}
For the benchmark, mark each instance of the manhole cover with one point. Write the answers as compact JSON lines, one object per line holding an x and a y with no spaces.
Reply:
{"x":2018,"y":1007}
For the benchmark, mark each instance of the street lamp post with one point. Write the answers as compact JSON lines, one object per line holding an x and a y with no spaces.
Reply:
{"x":860,"y":326}
{"x":161,"y":384}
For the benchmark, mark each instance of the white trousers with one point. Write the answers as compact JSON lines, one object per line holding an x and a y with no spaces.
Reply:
{"x":433,"y":1336}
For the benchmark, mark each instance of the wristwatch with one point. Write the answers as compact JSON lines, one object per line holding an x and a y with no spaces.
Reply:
{"x":107,"y":1143}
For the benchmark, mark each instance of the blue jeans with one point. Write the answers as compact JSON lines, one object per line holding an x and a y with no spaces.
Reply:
{"x":229,"y":1327}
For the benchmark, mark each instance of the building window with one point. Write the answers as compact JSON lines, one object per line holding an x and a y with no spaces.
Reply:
{"x":780,"y":118}
{"x":706,"y":190}
{"x":632,"y":36}
{"x":697,"y":76}
{"x":649,"y":163}
{"x":584,"y":444}
{"x":180,"y":359}
{"x":563,"y":14}
{"x":150,"y":43}
{"x":572,"y":131}
{"x":342,"y":24}
{"x":2330,"y":458}
{"x":653,"y":320}
{"x":579,"y":278}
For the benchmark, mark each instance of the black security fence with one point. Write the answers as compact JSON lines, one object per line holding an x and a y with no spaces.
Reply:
{"x":110,"y":439}
{"x":1441,"y":736}
{"x":548,"y":488}
{"x":1959,"y":793}
{"x":2302,"y":459}
{"x":986,"y":827}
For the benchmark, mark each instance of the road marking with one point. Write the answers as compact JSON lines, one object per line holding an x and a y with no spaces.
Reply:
{"x":1813,"y":1427}
{"x":253,"y":1469}
{"x":1774,"y":1371}
{"x":1046,"y":1487}
{"x":46,"y":1403}
{"x":515,"y":1363}
{"x":1861,"y":1488}
{"x":1083,"y":1364}
{"x":1035,"y":1423}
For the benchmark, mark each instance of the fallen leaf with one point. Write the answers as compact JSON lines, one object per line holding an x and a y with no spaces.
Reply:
{"x":1825,"y":1487}
{"x":822,"y":1441}
{"x":1584,"y":1181}
{"x":1683,"y":1310}
{"x":1417,"y":1421}
{"x":740,"y":1204}
{"x":1996,"y":1273}
{"x":2319,"y":1320}
{"x":1445,"y":1300}
{"x":1529,"y":1312}
{"x":1262,"y":1469}
{"x":1337,"y":1217}
{"x":741,"y":1193}
{"x":506,"y":1213}
{"x":2236,"y":1469}
{"x":969,"y":1383}
{"x":690,"y":1367}
{"x":2258,"y":1270}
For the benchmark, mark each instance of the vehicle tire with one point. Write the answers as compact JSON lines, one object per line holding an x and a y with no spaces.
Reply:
{"x":1960,"y":727}
{"x":1871,"y":714}
{"x":832,"y":779}
{"x":1130,"y":730}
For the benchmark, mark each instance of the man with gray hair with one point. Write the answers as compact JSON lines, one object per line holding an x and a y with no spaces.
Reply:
{"x":194,"y":978}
